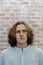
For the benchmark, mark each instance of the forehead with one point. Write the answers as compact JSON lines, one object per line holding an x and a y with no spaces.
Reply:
{"x":20,"y":26}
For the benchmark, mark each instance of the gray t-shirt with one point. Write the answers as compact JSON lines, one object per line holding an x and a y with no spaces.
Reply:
{"x":27,"y":56}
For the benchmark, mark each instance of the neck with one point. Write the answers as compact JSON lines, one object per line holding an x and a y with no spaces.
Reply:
{"x":22,"y":45}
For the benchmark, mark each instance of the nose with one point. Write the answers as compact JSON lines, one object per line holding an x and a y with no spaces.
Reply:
{"x":21,"y":33}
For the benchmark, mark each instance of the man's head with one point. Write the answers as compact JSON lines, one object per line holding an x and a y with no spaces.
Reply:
{"x":20,"y":33}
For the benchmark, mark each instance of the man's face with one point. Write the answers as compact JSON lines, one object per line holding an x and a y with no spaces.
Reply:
{"x":21,"y":34}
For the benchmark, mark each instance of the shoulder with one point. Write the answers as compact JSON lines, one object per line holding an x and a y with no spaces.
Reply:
{"x":7,"y":51}
{"x":36,"y":49}
{"x":4,"y":52}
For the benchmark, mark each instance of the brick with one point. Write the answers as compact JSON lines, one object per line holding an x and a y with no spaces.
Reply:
{"x":30,"y":11}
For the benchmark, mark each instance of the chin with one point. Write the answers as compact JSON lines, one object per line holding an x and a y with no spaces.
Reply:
{"x":22,"y":42}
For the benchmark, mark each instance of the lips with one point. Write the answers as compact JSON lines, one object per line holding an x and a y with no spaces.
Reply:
{"x":21,"y":38}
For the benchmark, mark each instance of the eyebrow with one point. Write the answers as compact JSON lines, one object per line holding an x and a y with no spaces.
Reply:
{"x":20,"y":30}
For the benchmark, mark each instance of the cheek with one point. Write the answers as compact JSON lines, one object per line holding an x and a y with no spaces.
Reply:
{"x":17,"y":36}
{"x":25,"y":35}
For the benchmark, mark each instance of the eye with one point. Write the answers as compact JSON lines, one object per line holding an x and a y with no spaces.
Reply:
{"x":24,"y":31}
{"x":18,"y":31}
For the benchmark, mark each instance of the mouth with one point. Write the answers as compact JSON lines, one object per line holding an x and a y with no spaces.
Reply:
{"x":22,"y":38}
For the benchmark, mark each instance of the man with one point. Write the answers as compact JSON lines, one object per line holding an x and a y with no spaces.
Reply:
{"x":21,"y":50}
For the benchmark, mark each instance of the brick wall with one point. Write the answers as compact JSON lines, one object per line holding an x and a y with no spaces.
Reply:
{"x":30,"y":11}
